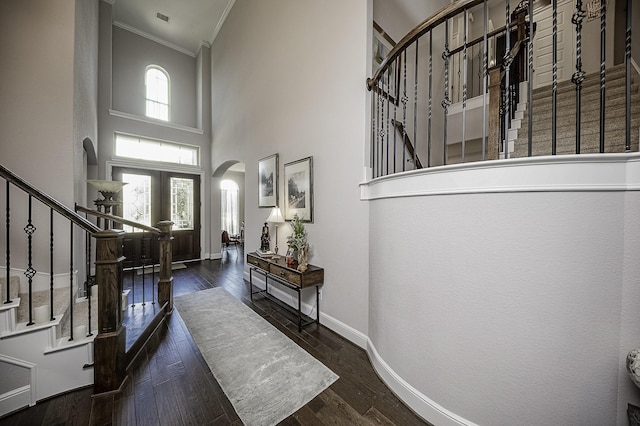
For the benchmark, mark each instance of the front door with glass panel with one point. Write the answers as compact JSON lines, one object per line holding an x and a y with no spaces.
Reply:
{"x":151,"y":196}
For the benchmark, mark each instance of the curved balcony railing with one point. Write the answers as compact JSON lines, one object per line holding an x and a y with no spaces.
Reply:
{"x":447,"y":94}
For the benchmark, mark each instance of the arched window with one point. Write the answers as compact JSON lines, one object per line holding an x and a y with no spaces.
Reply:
{"x":229,"y":206}
{"x":157,"y":93}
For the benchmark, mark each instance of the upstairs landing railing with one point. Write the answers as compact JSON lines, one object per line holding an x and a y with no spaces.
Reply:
{"x":422,"y":76}
{"x":22,"y":215}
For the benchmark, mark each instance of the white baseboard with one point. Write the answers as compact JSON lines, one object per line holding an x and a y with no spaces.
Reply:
{"x":418,"y":402}
{"x":351,"y":334}
{"x":15,"y":399}
{"x":22,"y":396}
{"x":356,"y":337}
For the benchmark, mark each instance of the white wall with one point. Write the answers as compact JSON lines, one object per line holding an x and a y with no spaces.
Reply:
{"x":123,"y":60}
{"x":132,"y":54}
{"x":37,"y":92}
{"x":47,"y":107}
{"x":515,"y":288}
{"x":289,"y":78}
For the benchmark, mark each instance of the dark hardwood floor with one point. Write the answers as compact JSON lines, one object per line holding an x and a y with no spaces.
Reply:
{"x":171,"y":384}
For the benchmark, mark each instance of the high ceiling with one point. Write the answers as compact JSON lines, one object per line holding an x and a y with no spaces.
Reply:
{"x":190,"y":22}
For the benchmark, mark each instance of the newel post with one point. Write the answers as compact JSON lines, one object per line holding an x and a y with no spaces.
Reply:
{"x":165,"y":284}
{"x":109,"y":345}
{"x":493,"y":143}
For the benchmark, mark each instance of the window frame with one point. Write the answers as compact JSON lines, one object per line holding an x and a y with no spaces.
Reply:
{"x":147,"y":99}
{"x":138,"y":159}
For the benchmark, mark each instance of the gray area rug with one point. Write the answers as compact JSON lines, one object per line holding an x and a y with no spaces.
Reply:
{"x":265,"y":375}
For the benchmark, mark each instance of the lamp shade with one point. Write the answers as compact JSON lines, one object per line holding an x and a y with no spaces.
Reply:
{"x":275,"y":216}
{"x":106,"y":185}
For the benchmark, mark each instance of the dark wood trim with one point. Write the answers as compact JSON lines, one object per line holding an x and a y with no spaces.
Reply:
{"x":48,"y":200}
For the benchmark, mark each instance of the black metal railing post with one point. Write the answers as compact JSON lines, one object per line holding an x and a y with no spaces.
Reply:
{"x":8,"y":243}
{"x":603,"y":68}
{"x":507,"y":59}
{"x":51,"y":265}
{"x":578,"y":76}
{"x":627,"y":60}
{"x":71,"y":301}
{"x":29,"y":229}
{"x":446,"y":102}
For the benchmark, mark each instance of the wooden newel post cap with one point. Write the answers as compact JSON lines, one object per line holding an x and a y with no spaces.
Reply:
{"x":165,"y":226}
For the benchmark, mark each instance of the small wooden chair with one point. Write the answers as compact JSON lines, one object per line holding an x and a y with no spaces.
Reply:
{"x":227,"y":241}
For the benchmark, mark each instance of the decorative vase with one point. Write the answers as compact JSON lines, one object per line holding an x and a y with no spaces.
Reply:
{"x":303,"y":255}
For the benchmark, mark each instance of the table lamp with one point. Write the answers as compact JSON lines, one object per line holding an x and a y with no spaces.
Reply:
{"x":276,"y":217}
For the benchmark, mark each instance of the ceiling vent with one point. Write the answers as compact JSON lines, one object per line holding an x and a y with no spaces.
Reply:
{"x":162,"y":17}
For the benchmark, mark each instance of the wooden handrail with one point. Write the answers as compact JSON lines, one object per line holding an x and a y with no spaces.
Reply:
{"x":407,"y":143}
{"x":512,"y":54}
{"x":118,"y":219}
{"x":428,"y":24}
{"x":481,"y":38}
{"x":48,"y":200}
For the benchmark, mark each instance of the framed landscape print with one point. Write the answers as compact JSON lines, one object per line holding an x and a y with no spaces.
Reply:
{"x":268,"y":181}
{"x":298,"y":190}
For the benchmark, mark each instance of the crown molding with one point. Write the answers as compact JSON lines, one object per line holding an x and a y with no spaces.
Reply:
{"x":153,"y":38}
{"x":223,"y":18}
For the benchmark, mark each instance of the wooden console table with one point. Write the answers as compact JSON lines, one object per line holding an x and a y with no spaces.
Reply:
{"x":276,"y":270}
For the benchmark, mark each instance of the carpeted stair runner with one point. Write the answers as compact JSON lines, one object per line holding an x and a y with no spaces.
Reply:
{"x":590,"y":116}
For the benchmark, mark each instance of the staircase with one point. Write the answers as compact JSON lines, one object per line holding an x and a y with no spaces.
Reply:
{"x":590,"y":116}
{"x":39,"y":361}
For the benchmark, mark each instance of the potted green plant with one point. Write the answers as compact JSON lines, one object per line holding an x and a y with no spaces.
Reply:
{"x":296,"y":242}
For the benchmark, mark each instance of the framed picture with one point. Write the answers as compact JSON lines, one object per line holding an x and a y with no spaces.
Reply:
{"x":298,"y":189}
{"x":268,"y":181}
{"x":382,"y":45}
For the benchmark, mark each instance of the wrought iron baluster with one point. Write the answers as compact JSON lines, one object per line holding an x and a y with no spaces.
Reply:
{"x":578,"y":76}
{"x":378,"y":131}
{"x":530,"y":80}
{"x":8,"y":242}
{"x":507,"y":80}
{"x":603,"y":55}
{"x":89,"y":281}
{"x":30,"y":272}
{"x":374,"y":121}
{"x":51,"y":264}
{"x":471,"y":89}
{"x":381,"y":153}
{"x":404,"y":99}
{"x":415,"y":109}
{"x":71,"y":301}
{"x":430,"y":105}
{"x":388,"y":123}
{"x":554,"y":87}
{"x":485,"y":67}
{"x":459,"y":85}
{"x":464,"y":82}
{"x":627,"y":56}
{"x":446,"y":102}
{"x":395,"y":107}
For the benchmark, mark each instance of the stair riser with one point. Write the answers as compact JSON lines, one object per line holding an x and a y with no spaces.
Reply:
{"x":591,"y":83}
{"x":613,"y":95}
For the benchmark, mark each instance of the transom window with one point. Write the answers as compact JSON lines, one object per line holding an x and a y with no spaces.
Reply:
{"x":157,"y":93}
{"x":154,"y":150}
